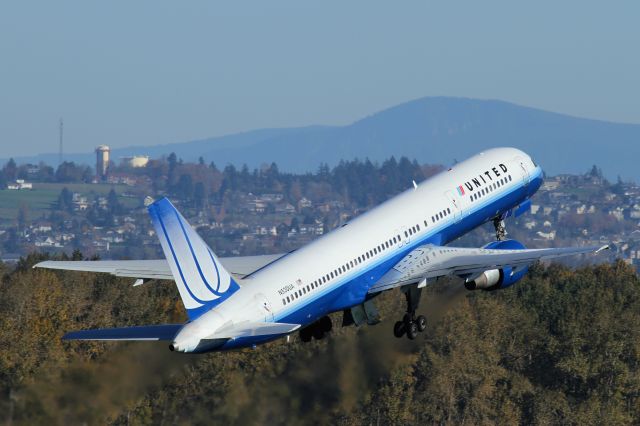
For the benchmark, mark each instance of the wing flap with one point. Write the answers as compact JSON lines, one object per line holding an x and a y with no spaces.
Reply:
{"x":145,"y":332}
{"x":252,"y":329}
{"x":430,"y":262}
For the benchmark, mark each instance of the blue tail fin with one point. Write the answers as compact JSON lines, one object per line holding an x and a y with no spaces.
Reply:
{"x":201,"y":279}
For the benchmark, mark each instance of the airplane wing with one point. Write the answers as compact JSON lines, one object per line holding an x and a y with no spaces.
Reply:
{"x":156,"y":269}
{"x":429,"y":262}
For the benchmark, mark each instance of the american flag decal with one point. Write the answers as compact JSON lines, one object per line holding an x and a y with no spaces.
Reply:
{"x":460,"y":190}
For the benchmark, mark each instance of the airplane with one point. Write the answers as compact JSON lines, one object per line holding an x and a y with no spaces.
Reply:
{"x":402,"y":243}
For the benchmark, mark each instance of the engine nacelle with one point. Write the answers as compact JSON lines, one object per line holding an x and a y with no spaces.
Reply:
{"x":495,"y":279}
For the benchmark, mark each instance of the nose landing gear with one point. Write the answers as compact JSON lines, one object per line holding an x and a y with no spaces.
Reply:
{"x":501,"y":230}
{"x":411,"y":324}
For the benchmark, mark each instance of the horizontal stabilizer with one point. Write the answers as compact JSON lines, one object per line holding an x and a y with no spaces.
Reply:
{"x":252,"y":329}
{"x":145,"y":332}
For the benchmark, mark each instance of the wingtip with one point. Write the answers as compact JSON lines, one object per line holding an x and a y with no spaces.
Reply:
{"x":604,"y":247}
{"x":39,"y":265}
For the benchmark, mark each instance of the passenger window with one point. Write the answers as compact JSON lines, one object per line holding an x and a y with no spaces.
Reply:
{"x":449,"y":211}
{"x":425,"y":223}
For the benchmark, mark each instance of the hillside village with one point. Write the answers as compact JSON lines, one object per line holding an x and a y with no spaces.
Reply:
{"x":242,"y":212}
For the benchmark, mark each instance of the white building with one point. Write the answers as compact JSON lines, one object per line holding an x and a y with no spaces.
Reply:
{"x":20,"y":184}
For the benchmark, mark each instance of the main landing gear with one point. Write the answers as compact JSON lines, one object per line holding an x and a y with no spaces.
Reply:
{"x":501,"y":230}
{"x":317,"y":330}
{"x":411,"y":324}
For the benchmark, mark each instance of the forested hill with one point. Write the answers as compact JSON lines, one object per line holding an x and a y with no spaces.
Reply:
{"x":434,"y":130}
{"x":560,"y":347}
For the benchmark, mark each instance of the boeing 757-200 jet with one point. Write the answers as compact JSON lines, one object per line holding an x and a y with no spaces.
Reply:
{"x":244,"y":301}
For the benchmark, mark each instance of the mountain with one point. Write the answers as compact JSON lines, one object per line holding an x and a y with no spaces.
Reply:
{"x":431,"y":130}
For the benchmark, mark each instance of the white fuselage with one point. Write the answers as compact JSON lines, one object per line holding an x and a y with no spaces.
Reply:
{"x":306,"y":284}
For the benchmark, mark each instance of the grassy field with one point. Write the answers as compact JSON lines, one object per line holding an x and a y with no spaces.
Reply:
{"x":43,"y":197}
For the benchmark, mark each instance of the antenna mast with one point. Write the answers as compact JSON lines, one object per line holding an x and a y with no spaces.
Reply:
{"x":60,"y":152}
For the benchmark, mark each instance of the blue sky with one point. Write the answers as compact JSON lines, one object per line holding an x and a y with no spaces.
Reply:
{"x":149,"y":72}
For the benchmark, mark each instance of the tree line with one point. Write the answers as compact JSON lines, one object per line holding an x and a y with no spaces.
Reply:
{"x":560,"y":347}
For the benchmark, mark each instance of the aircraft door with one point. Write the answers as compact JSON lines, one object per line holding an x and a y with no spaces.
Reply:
{"x":456,"y":208}
{"x":525,"y":171}
{"x":400,"y":232}
{"x":265,"y":310}
{"x":405,"y":237}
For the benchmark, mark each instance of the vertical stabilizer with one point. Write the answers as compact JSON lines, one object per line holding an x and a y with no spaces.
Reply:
{"x":201,"y":279}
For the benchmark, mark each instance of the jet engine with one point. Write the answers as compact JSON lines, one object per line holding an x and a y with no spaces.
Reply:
{"x":497,"y":279}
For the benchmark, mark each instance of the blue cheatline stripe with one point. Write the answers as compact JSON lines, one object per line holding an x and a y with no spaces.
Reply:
{"x":195,"y":259}
{"x":489,"y":200}
{"x":175,"y":259}
{"x":215,"y":265}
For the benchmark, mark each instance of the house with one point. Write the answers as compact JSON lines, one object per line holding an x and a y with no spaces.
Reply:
{"x":617,"y":212}
{"x":20,"y":184}
{"x":285,"y":208}
{"x":547,"y":235}
{"x":47,"y":242}
{"x":304,"y":203}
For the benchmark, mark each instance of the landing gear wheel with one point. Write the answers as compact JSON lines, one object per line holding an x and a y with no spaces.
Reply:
{"x":412,"y":331}
{"x":305,"y":335}
{"x":399,"y":329}
{"x":421,"y":322}
{"x":325,"y":324}
{"x":318,"y":333}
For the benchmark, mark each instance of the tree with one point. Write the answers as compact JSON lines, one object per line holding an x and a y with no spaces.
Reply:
{"x":65,"y":200}
{"x":184,"y":187}
{"x":10,"y":170}
{"x":23,"y":217}
{"x":113,"y":203}
{"x":200,"y":195}
{"x":68,"y":171}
